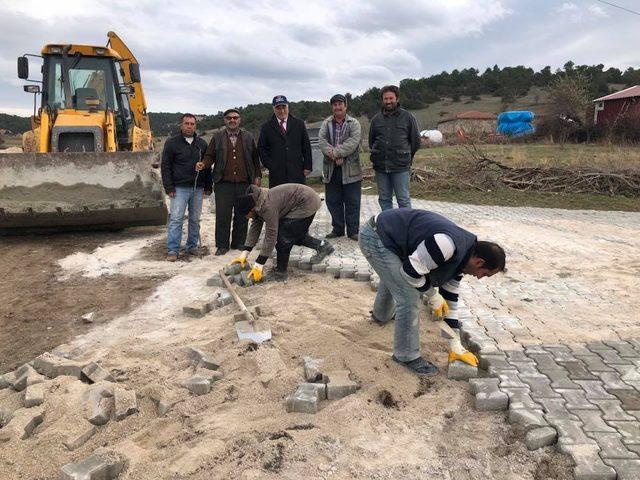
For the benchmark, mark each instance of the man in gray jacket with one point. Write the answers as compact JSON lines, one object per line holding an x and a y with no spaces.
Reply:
{"x":287,"y":212}
{"x":394,"y":139}
{"x":339,"y":141}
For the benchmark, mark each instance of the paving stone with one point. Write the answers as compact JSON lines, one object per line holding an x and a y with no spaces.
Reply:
{"x":540,"y":387}
{"x":237,"y":279}
{"x":246,"y":281}
{"x":510,"y":379}
{"x":570,"y":433}
{"x":517,"y":356}
{"x":196,"y":309}
{"x":527,"y":369}
{"x":76,"y":440}
{"x":320,"y":389}
{"x":198,"y":385}
{"x":94,"y":373}
{"x":630,"y":398}
{"x":545,"y":360}
{"x":630,"y":431}
{"x":125,"y":403}
{"x":263,"y":310}
{"x":576,"y":400}
{"x":594,"y":363}
{"x":347,"y":273}
{"x":234,"y":269}
{"x":339,"y":385}
{"x":612,"y":410}
{"x":25,"y":376}
{"x":540,"y":437}
{"x":612,"y":381}
{"x":592,"y":421}
{"x":612,"y":357}
{"x":224,"y":298}
{"x":101,"y":465}
{"x":215,"y":281}
{"x":580,"y":349}
{"x":560,"y":379}
{"x":588,"y":464}
{"x":53,"y":366}
{"x":461,"y":371}
{"x":334,"y":271}
{"x":303,"y":400}
{"x":22,"y":424}
{"x":595,"y":346}
{"x":294,"y":260}
{"x":7,"y":380}
{"x":611,"y":445}
{"x":497,"y":362}
{"x":595,"y":390}
{"x":492,"y":401}
{"x":374,"y":284}
{"x":523,"y":400}
{"x":578,"y":371}
{"x":527,"y":418}
{"x":312,"y":369}
{"x":555,"y":408}
{"x":477,"y":385}
{"x":629,"y":374}
{"x":100,"y":403}
{"x":304,"y":264}
{"x":34,"y":395}
{"x":625,"y":469}
{"x":319,"y":268}
{"x":362,"y":276}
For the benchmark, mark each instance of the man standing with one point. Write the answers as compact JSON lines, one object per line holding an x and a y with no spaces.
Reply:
{"x":284,"y":146}
{"x":394,"y":139}
{"x":184,"y":185}
{"x":339,"y":140}
{"x":234,"y":156}
{"x":416,"y":251}
{"x":287,"y":212}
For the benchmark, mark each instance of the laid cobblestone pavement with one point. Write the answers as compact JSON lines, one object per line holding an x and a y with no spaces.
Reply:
{"x":560,"y":331}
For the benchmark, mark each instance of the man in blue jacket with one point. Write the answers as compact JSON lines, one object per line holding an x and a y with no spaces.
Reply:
{"x":184,"y":185}
{"x":415,"y":251}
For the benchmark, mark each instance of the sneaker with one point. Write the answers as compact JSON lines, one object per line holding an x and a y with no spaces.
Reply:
{"x":419,"y":366}
{"x":195,"y":251}
{"x":172,"y":257}
{"x":221,"y":251}
{"x":377,"y":321}
{"x":324,"y":251}
{"x":333,"y":235}
{"x":354,"y":236}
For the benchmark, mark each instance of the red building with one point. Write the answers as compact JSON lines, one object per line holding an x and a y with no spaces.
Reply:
{"x":611,"y":108}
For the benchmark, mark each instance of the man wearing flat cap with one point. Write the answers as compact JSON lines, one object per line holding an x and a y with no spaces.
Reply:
{"x":339,"y":141}
{"x":233,"y":153}
{"x":284,"y":146}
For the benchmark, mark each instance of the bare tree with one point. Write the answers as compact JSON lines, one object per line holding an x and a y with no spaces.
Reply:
{"x":569,"y":98}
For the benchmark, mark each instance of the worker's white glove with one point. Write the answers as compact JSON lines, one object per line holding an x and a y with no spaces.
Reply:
{"x":242,"y":259}
{"x":438,"y":305}
{"x":458,"y":352}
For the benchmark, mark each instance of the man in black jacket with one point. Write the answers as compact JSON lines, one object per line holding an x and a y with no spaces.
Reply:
{"x":284,"y":146}
{"x":393,"y":141}
{"x":184,"y":185}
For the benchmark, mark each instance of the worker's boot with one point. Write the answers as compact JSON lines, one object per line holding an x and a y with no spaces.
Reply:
{"x":458,"y":352}
{"x":324,"y":250}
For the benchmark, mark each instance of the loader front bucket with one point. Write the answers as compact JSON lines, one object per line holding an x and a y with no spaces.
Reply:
{"x":44,"y":192}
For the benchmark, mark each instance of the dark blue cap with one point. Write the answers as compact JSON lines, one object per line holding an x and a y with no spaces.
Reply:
{"x":279,"y":100}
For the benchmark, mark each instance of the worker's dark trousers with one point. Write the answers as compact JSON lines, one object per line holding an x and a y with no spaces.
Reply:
{"x":343,"y":202}
{"x":226,"y":193}
{"x":293,"y":231}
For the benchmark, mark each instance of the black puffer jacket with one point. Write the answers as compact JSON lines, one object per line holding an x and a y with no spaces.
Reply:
{"x":179,"y":160}
{"x":393,"y":141}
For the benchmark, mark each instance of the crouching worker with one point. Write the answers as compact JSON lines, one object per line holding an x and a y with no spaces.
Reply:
{"x":415,"y":251}
{"x":286,"y":212}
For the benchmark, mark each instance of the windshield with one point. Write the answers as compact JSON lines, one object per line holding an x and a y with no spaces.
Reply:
{"x":90,"y":83}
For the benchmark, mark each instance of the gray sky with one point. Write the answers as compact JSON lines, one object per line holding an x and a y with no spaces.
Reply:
{"x":205,"y":56}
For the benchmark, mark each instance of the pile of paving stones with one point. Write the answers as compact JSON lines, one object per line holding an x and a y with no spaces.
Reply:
{"x":206,"y":371}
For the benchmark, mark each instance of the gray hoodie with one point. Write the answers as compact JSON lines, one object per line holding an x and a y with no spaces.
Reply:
{"x":289,"y":200}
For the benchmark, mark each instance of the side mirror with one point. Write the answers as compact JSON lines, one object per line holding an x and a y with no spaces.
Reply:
{"x":23,"y":68}
{"x":31,"y":88}
{"x":134,"y":72}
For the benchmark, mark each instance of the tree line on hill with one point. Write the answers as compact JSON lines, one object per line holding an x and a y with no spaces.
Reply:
{"x":508,"y":83}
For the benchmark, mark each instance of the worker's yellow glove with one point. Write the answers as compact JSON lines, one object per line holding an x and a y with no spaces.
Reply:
{"x":458,"y":352}
{"x":439,"y":306}
{"x":242,"y":259}
{"x":256,"y":273}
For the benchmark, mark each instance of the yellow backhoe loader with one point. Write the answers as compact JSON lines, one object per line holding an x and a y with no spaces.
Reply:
{"x":87,"y":161}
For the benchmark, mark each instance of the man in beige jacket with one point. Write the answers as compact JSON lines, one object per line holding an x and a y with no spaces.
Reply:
{"x":287,"y":212}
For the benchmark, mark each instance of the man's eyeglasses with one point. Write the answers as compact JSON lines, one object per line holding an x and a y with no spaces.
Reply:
{"x":232,"y":118}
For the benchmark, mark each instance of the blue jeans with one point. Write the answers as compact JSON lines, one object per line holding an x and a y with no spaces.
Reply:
{"x":185,"y":196}
{"x":390,"y":183}
{"x":394,"y":294}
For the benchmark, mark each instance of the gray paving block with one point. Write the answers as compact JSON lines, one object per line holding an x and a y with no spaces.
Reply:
{"x":102,"y":465}
{"x":22,"y":424}
{"x":196,"y":309}
{"x":246,"y":281}
{"x":592,"y":421}
{"x":312,"y":369}
{"x":588,"y":464}
{"x":347,"y":273}
{"x":612,"y":410}
{"x":540,"y":437}
{"x":94,"y":373}
{"x":527,"y":369}
{"x":578,"y":371}
{"x":198,"y":385}
{"x":334,"y":271}
{"x":492,"y":401}
{"x":517,"y":356}
{"x":560,"y":379}
{"x":630,"y":431}
{"x":304,"y":264}
{"x":576,"y":400}
{"x":100,"y":403}
{"x":544,"y":360}
{"x":630,"y":398}
{"x":230,"y":270}
{"x":319,"y":268}
{"x":318,"y":389}
{"x":523,"y":400}
{"x":510,"y":379}
{"x":125,"y":403}
{"x":302,"y":401}
{"x":362,"y":276}
{"x":477,"y":385}
{"x":581,"y":349}
{"x":612,"y":380}
{"x":555,"y":408}
{"x":79,"y":438}
{"x":594,"y":363}
{"x":595,"y":346}
{"x":224,"y":298}
{"x":625,"y":469}
{"x":570,"y":432}
{"x":461,"y":371}
{"x":498,"y":362}
{"x":215,"y":281}
{"x":594,"y":390}
{"x":527,"y":418}
{"x":34,"y":395}
{"x":7,"y":380}
{"x":339,"y":385}
{"x":540,"y":387}
{"x":25,"y":376}
{"x":53,"y":366}
{"x":611,"y":446}
{"x":624,"y":348}
{"x":611,"y":357}
{"x":237,"y":279}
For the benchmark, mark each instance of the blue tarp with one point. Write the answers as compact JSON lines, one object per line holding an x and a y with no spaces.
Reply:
{"x":515,"y":123}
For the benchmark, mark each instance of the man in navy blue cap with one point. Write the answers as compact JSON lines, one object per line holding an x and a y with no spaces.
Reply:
{"x":284,"y":146}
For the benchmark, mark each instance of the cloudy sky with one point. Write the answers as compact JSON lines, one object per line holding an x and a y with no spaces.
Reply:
{"x":205,"y":56}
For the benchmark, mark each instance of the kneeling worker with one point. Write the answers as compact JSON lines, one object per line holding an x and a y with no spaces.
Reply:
{"x":287,"y":212}
{"x":415,"y":251}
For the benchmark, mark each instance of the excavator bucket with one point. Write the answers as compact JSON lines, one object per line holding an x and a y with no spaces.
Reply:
{"x":43,"y":192}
